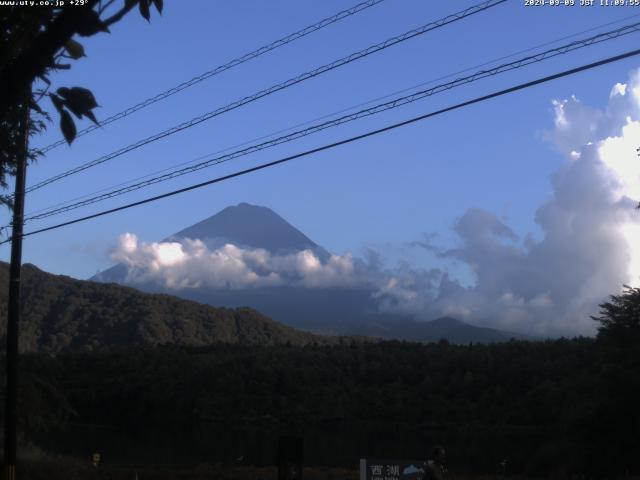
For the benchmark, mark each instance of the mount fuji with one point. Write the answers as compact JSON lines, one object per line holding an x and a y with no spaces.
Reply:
{"x":347,"y":309}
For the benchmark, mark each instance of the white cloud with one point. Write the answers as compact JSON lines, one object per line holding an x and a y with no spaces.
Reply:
{"x":591,"y":229}
{"x":618,"y":89}
{"x":192,"y":264}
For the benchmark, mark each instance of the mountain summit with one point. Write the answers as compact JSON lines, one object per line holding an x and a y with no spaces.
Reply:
{"x":243,"y":225}
{"x":247,"y":225}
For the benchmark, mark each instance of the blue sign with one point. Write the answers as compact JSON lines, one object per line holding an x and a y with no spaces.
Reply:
{"x":377,"y":469}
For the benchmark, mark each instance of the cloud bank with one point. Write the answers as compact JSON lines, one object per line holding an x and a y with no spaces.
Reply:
{"x":192,"y":264}
{"x":591,"y":230}
{"x":590,"y":245}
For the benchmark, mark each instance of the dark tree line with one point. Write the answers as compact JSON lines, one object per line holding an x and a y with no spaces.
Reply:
{"x":548,"y":407}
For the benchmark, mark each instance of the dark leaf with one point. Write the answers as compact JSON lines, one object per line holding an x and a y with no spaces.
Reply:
{"x":159,"y":4}
{"x":57,"y":102}
{"x":92,"y":117}
{"x":144,"y":9}
{"x":80,"y":101}
{"x":74,"y":49}
{"x":72,"y":108}
{"x":62,"y":66}
{"x":85,"y":96}
{"x":90,"y":23}
{"x":67,"y":126}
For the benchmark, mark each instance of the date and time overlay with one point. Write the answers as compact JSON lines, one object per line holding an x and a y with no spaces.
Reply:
{"x":526,"y":3}
{"x":581,"y":3}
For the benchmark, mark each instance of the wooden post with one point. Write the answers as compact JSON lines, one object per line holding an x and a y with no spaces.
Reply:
{"x":13,"y":320}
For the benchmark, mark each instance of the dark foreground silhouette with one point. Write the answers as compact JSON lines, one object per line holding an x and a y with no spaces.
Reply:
{"x":546,"y":407}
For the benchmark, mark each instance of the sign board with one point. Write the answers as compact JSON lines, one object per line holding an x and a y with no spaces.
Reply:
{"x":378,"y":469}
{"x":96,"y":459}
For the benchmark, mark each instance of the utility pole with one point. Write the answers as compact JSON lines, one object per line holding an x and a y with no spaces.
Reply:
{"x":13,"y":320}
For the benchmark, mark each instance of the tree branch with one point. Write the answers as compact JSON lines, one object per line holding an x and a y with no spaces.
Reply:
{"x":105,"y":6}
{"x":118,"y":16}
{"x":34,"y":61}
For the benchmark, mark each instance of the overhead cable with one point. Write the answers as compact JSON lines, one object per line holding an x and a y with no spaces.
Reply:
{"x":222,"y":68}
{"x":382,"y":107}
{"x":329,"y":115}
{"x":275,"y":88}
{"x":371,"y":133}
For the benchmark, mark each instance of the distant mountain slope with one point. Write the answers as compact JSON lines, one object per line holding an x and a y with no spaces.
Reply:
{"x":447,"y":328}
{"x":64,"y":314}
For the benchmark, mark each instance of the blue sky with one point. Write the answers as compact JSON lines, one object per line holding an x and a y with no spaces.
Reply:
{"x":382,"y":192}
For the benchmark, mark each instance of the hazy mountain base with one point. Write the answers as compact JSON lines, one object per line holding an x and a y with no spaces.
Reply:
{"x":396,"y":327}
{"x":64,"y":314}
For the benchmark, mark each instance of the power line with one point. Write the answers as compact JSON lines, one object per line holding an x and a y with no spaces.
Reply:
{"x":371,"y":133}
{"x":275,"y":88}
{"x":395,"y":103}
{"x":222,"y":68}
{"x":329,"y":115}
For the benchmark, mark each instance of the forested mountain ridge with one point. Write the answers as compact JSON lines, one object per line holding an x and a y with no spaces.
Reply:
{"x":64,"y":314}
